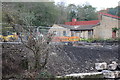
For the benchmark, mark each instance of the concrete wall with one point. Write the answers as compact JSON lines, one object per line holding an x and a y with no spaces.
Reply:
{"x":104,"y":30}
{"x":59,"y":30}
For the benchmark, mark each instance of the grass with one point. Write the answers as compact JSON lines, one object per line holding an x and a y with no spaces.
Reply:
{"x":100,"y":40}
{"x":79,"y":78}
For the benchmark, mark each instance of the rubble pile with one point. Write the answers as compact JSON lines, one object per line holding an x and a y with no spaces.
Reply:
{"x":63,"y":60}
{"x":12,"y":58}
{"x":108,"y":70}
{"x":69,"y":59}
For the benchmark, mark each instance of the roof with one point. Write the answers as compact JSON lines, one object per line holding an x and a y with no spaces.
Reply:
{"x":93,"y":22}
{"x":66,"y":26}
{"x":78,"y":27}
{"x":84,"y":27}
{"x":109,"y":15}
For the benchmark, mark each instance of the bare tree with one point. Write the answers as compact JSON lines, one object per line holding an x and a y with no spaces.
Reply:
{"x":39,"y":45}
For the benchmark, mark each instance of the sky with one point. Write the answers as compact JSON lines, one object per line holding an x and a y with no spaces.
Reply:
{"x":99,"y":4}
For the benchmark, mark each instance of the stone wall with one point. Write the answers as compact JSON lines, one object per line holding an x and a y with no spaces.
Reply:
{"x":59,"y":30}
{"x":104,"y":30}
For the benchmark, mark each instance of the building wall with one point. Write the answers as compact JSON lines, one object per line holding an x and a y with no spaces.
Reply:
{"x":59,"y":30}
{"x":76,"y":33}
{"x":119,"y":28}
{"x":104,"y":30}
{"x":83,"y":34}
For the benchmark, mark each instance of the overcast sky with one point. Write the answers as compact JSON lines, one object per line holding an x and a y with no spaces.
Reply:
{"x":99,"y":4}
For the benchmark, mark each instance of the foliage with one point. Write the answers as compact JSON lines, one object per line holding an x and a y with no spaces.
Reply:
{"x":46,"y":14}
{"x":94,"y":76}
{"x":62,"y":13}
{"x":115,"y":29}
{"x":40,"y":14}
{"x":72,"y":12}
{"x":45,"y":74}
{"x":80,"y":78}
{"x":86,"y":13}
{"x":99,"y":40}
{"x":113,"y":39}
{"x":114,"y":11}
{"x":81,"y":13}
{"x":88,"y":40}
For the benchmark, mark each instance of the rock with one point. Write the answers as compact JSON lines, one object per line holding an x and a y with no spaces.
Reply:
{"x":111,"y":74}
{"x":112,"y":66}
{"x":101,"y":66}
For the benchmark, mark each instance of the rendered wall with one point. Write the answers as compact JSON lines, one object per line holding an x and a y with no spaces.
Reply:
{"x":104,"y":30}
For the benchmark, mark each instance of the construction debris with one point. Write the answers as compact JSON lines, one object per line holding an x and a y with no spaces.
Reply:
{"x":111,"y":74}
{"x":101,"y":66}
{"x":109,"y":71}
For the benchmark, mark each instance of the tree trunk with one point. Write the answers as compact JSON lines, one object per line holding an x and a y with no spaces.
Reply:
{"x":37,"y":61}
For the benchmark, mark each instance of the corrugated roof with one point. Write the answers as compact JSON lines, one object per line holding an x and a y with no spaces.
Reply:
{"x":78,"y":27}
{"x":93,"y":22}
{"x":109,"y":15}
{"x":84,"y":27}
{"x":66,"y":26}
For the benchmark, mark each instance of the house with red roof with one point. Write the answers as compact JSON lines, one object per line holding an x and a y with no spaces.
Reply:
{"x":82,"y":29}
{"x":75,"y":23}
{"x":108,"y":28}
{"x":104,"y":28}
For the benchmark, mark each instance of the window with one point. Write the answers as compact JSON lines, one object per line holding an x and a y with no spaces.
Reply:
{"x":72,"y":34}
{"x":78,"y":31}
{"x":90,"y":32}
{"x":64,"y":33}
{"x":54,"y":32}
{"x":101,"y":17}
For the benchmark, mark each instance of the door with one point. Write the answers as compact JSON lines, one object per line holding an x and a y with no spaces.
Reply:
{"x":114,"y":34}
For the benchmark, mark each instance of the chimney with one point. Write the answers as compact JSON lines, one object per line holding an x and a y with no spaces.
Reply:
{"x":99,"y":16}
{"x":107,"y":10}
{"x":74,"y":20}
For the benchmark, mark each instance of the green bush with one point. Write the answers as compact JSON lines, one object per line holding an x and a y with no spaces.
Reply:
{"x":94,"y":76}
{"x":99,"y":40}
{"x":79,"y":78}
{"x":45,"y":74}
{"x":91,"y":39}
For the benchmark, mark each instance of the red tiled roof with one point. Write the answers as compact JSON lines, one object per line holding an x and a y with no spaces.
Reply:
{"x":110,"y":15}
{"x":93,"y":22}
